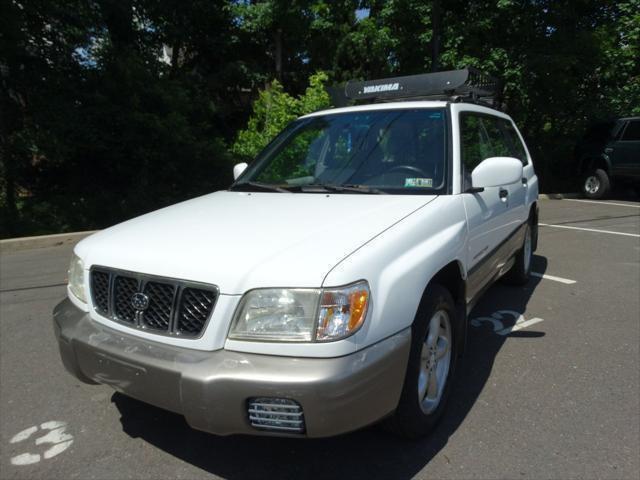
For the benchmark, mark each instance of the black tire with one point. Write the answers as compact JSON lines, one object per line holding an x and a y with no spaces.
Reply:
{"x":596,"y":184}
{"x":409,"y":420}
{"x":520,"y":272}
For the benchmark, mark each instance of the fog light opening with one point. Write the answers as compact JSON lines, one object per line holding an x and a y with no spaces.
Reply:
{"x":276,"y":414}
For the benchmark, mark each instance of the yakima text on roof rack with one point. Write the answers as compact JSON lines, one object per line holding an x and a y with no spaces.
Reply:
{"x":468,"y":84}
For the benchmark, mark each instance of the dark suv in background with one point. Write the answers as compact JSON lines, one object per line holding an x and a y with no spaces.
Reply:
{"x":609,"y":152}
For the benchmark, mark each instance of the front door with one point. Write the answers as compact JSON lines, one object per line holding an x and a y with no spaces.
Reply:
{"x":493,"y":215}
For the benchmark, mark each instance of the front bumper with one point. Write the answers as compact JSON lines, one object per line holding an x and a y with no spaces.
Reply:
{"x":211,"y":389}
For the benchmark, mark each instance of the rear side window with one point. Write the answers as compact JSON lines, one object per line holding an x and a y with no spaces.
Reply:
{"x":632,"y":132}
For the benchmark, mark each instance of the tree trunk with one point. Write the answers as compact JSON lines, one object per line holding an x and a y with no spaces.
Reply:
{"x":436,"y":37}
{"x":118,"y":16}
{"x":278,"y":45}
{"x":175,"y":56}
{"x":9,"y":187}
{"x":12,"y":113}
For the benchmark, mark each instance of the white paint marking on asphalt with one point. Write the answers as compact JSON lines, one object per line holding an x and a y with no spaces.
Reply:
{"x":56,"y":436}
{"x":555,"y":279}
{"x":635,"y":235}
{"x":52,"y":424}
{"x":519,"y":326}
{"x":24,"y":434}
{"x":498,"y":326}
{"x":602,"y":203}
{"x":57,"y":449}
{"x":25,"y":459}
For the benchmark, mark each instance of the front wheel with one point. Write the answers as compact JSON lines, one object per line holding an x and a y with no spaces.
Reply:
{"x":431,"y":366}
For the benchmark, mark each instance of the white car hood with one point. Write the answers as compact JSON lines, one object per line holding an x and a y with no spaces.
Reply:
{"x":240,"y":240}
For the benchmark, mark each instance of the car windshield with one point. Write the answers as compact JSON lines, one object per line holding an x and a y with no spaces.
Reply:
{"x":384,"y":151}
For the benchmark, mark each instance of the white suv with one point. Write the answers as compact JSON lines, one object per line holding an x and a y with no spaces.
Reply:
{"x":327,"y":289}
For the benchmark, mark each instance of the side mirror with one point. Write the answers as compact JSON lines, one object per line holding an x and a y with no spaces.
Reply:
{"x":238,"y":169}
{"x":496,"y":172}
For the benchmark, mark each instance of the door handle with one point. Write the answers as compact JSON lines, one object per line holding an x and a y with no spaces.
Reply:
{"x":525,"y":183}
{"x":503,"y":193}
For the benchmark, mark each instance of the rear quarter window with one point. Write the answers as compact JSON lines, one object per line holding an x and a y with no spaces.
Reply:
{"x":632,"y":132}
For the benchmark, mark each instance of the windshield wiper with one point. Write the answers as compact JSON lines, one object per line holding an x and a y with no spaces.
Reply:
{"x":341,"y":188}
{"x":262,"y":186}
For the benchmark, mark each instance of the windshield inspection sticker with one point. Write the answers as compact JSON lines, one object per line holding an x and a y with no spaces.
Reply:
{"x":418,"y":182}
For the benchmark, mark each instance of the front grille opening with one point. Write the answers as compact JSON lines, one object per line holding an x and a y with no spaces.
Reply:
{"x":124,"y":288}
{"x":173,"y":307}
{"x":195,"y":307}
{"x":276,"y":414}
{"x":158,"y":313}
{"x":100,"y":291}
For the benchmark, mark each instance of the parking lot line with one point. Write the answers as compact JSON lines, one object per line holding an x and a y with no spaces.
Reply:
{"x":555,"y":279}
{"x":590,"y":230}
{"x":601,"y":203}
{"x":520,"y":326}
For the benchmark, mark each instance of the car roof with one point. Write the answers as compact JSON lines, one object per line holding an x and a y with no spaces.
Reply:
{"x":380,"y":106}
{"x":407,"y":105}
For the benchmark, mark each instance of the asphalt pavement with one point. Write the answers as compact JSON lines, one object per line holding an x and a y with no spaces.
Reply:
{"x":549,"y":386}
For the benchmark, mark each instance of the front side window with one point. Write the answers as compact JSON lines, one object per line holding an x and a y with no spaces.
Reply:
{"x":483,"y":136}
{"x":392,"y":151}
{"x":517,"y":149}
{"x":479,"y":140}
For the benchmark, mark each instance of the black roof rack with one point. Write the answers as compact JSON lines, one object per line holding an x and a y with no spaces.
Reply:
{"x":468,"y":84}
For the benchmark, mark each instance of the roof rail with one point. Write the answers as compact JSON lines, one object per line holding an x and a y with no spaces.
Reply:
{"x":468,"y":84}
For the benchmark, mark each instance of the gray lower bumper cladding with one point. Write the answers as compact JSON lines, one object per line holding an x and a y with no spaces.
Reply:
{"x":213,"y":389}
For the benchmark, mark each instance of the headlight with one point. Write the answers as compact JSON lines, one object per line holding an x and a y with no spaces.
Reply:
{"x":342,"y":311}
{"x":76,"y":278}
{"x":276,"y":314}
{"x":300,"y":315}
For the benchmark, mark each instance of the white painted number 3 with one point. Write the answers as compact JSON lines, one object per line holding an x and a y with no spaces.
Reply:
{"x":54,"y":434}
{"x":496,"y":321}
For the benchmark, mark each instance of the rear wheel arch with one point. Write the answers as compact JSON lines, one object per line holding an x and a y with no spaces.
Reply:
{"x":590,"y":164}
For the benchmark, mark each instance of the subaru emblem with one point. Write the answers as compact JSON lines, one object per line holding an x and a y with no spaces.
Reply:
{"x":140,"y":301}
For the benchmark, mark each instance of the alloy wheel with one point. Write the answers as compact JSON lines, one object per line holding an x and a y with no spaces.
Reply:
{"x":435,"y":360}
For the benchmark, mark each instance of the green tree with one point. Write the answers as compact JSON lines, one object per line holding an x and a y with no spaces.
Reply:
{"x":273,"y":110}
{"x":113,"y":108}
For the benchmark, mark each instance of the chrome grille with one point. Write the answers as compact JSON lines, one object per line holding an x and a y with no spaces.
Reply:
{"x":173,"y":307}
{"x":276,"y":414}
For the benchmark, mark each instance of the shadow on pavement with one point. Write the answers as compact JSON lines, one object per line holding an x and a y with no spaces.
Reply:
{"x":368,"y":453}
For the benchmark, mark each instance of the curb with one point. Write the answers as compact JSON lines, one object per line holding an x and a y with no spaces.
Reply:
{"x":42,"y":241}
{"x":559,"y":196}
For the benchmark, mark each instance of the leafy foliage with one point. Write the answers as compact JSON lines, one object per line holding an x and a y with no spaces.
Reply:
{"x":109,"y":109}
{"x":274,"y":109}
